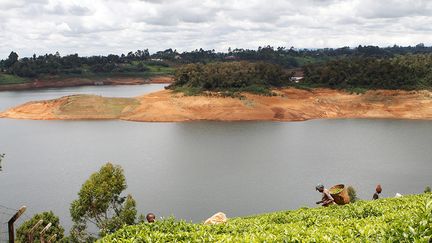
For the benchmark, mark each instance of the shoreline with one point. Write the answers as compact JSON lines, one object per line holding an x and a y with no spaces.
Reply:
{"x":289,"y":105}
{"x":75,"y":82}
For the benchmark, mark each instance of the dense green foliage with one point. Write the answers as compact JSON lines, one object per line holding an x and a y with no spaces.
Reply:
{"x":142,"y":63}
{"x":405,"y":219}
{"x":100,"y":203}
{"x":15,"y":70}
{"x":47,"y":217}
{"x":401,"y":72}
{"x":286,"y":57}
{"x":231,"y":76}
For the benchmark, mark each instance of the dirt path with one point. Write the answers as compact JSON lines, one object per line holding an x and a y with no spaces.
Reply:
{"x":289,"y":105}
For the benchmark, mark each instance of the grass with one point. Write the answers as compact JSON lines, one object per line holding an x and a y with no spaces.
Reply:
{"x":83,"y":105}
{"x":356,"y":90}
{"x":160,"y":69}
{"x":406,"y":219}
{"x":230,"y":92}
{"x":12,"y":79}
{"x":310,"y":86}
{"x":188,"y":91}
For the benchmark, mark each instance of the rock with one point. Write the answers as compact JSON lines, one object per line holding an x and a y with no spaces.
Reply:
{"x":218,"y":218}
{"x":398,"y":195}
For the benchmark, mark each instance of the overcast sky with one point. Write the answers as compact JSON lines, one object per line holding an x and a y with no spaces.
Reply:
{"x":93,"y":27}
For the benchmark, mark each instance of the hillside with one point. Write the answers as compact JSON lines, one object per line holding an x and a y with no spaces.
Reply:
{"x":288,"y":105}
{"x":403,"y":219}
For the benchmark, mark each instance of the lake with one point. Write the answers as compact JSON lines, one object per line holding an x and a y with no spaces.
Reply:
{"x":193,"y":170}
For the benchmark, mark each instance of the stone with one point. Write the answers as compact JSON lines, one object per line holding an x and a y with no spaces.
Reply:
{"x":218,"y":218}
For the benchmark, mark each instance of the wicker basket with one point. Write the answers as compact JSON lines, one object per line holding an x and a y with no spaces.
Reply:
{"x":342,"y":197}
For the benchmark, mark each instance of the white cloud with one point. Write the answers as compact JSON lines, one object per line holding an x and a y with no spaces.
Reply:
{"x":111,"y":26}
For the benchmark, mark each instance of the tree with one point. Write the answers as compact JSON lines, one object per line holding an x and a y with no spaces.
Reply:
{"x":1,"y":158}
{"x":12,"y":59}
{"x":99,"y":202}
{"x":47,"y":217}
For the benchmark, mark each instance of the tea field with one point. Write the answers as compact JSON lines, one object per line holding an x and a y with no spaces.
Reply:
{"x":405,"y":219}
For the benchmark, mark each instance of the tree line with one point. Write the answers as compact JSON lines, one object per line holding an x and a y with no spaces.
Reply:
{"x":257,"y":77}
{"x":54,"y":64}
{"x":412,"y":71}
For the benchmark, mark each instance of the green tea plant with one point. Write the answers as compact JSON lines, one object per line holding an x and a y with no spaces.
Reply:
{"x":405,"y":219}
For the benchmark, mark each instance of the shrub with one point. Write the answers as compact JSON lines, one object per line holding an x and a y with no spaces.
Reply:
{"x":352,"y":193}
{"x":47,"y":217}
{"x":427,"y":189}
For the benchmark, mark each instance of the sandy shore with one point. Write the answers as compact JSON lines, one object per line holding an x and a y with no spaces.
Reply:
{"x":289,"y":105}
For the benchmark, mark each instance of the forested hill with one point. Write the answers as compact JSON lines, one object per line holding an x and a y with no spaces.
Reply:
{"x":361,"y":67}
{"x":401,"y":72}
{"x":140,"y":60}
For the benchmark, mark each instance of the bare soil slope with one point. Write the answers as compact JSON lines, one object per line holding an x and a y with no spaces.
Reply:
{"x":289,"y":105}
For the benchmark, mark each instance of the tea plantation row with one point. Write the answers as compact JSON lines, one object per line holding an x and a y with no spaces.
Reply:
{"x":405,"y":219}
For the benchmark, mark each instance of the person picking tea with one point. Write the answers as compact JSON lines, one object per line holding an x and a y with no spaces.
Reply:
{"x":327,"y":199}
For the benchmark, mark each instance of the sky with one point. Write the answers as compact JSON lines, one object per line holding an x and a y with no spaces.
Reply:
{"x":100,"y":27}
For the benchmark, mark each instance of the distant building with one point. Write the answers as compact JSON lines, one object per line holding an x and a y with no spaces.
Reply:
{"x":230,"y":58}
{"x":296,"y":79}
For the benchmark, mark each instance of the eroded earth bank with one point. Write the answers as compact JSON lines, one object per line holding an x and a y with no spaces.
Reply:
{"x":289,"y":105}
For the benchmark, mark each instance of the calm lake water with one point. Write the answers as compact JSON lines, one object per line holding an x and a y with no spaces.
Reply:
{"x":192,"y":170}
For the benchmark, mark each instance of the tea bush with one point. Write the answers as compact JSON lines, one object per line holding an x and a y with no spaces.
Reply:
{"x":405,"y":219}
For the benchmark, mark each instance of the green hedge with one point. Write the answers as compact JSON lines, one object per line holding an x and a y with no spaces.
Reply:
{"x":405,"y":219}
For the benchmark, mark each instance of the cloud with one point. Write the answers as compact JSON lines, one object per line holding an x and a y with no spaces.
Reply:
{"x":111,"y":26}
{"x":394,"y":8}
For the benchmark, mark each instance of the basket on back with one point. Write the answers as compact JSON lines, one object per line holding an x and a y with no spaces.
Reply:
{"x":340,"y":194}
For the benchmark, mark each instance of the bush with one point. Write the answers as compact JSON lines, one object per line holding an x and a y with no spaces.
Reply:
{"x":427,"y":189}
{"x":47,"y":217}
{"x":352,"y":193}
{"x":406,"y":219}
